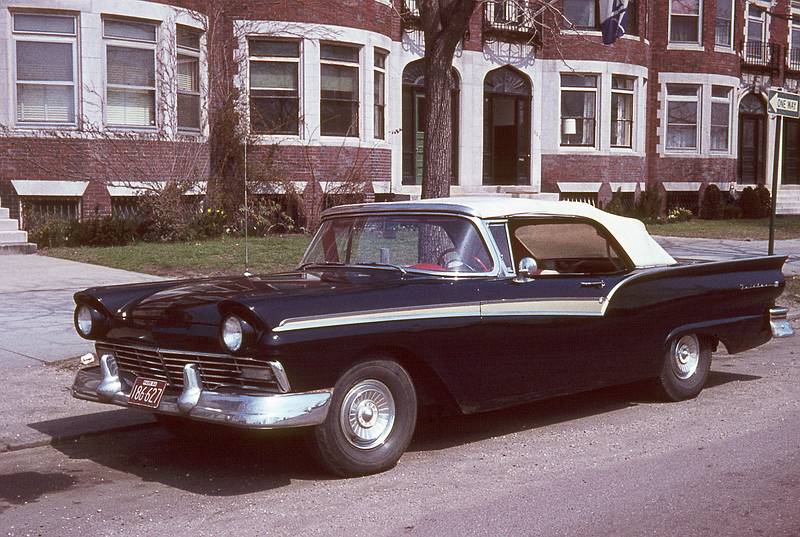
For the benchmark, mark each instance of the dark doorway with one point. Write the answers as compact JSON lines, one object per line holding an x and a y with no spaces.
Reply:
{"x":752,"y":140}
{"x":506,"y":128}
{"x":791,"y":152}
{"x":414,"y":122}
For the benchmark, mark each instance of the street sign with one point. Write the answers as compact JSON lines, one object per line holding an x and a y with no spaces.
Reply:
{"x":784,"y":104}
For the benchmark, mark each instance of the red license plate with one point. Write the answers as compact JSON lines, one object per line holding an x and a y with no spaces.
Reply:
{"x":147,"y":392}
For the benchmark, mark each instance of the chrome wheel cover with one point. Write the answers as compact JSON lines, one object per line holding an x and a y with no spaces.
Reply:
{"x":367,"y":414}
{"x":686,"y":356}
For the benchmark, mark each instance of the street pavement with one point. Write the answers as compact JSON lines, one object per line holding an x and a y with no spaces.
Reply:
{"x":609,"y":462}
{"x":722,"y":249}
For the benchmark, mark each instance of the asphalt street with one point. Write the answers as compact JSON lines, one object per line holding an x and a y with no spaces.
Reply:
{"x":610,"y":462}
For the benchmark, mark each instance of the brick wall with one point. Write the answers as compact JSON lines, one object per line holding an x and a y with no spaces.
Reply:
{"x":323,"y":163}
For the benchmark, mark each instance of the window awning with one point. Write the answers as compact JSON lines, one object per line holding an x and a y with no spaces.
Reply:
{"x":673,"y":186}
{"x":56,"y":189}
{"x":624,"y":187}
{"x":123,"y":189}
{"x":579,"y":186}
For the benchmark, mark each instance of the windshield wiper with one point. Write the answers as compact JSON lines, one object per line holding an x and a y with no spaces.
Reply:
{"x":388,"y":265}
{"x":321,"y":264}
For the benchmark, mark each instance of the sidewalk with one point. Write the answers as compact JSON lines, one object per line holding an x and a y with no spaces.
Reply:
{"x":36,"y":330}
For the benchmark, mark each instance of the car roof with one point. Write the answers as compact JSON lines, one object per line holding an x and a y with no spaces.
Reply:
{"x":629,"y":232}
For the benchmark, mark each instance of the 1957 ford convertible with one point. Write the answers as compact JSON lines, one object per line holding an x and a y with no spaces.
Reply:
{"x":472,"y":303}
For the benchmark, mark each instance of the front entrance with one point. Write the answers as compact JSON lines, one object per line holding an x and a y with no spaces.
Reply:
{"x":791,"y":152}
{"x":752,"y":140}
{"x":414,"y":122}
{"x":506,"y":128}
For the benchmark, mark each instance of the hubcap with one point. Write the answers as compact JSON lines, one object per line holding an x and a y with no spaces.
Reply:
{"x":686,"y":356}
{"x":367,"y":414}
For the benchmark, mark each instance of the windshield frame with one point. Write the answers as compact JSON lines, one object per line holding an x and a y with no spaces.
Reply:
{"x":478,"y":224}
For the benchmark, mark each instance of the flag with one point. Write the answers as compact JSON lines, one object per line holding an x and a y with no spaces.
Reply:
{"x":612,"y":16}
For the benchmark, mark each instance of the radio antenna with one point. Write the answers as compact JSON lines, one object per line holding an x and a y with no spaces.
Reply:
{"x":246,"y":218}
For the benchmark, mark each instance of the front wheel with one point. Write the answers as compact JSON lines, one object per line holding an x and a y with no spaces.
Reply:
{"x":685,"y":369}
{"x":370,"y":422}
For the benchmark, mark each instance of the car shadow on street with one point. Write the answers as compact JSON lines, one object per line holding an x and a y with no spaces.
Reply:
{"x":227,"y":462}
{"x":435,"y":433}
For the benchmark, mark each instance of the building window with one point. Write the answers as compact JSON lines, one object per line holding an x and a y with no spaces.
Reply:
{"x":380,"y":94}
{"x":685,"y":21}
{"x":723,"y":25}
{"x":585,"y":15}
{"x":274,"y":87}
{"x":794,"y":46}
{"x":339,"y":90}
{"x":188,"y":44}
{"x":130,"y":73}
{"x":720,"y":118}
{"x":622,"y":89}
{"x":45,"y":68}
{"x":756,"y":47}
{"x":578,"y":109}
{"x":683,"y":104}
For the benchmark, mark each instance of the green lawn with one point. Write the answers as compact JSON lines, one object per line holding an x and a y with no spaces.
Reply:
{"x":786,"y":227}
{"x":196,"y":258}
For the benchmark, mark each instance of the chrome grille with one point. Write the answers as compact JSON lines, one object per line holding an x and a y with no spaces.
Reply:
{"x":215,"y":369}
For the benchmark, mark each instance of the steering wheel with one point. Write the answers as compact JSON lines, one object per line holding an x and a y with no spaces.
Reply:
{"x":456,"y":261}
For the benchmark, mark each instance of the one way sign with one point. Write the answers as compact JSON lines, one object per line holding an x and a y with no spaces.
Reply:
{"x":784,"y":104}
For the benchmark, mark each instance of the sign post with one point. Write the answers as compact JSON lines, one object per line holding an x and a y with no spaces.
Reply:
{"x":781,"y":104}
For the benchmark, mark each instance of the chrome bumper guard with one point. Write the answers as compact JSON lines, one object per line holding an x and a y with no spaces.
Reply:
{"x":102,"y":384}
{"x":779,"y":322}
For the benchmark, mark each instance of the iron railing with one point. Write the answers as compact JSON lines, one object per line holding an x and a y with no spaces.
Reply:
{"x":511,"y":20}
{"x":761,"y":54}
{"x":793,"y":59}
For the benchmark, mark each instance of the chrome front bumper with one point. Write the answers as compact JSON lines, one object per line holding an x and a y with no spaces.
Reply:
{"x":779,"y":322}
{"x":102,"y":384}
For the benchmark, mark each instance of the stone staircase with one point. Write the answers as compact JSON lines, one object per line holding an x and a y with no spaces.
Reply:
{"x":788,"y":200}
{"x":12,"y":240}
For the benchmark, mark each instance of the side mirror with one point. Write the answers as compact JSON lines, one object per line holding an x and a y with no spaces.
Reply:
{"x":527,"y":269}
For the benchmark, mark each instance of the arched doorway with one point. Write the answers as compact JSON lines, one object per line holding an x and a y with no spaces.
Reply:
{"x":414,"y":122}
{"x":506,"y":128}
{"x":752,"y":140}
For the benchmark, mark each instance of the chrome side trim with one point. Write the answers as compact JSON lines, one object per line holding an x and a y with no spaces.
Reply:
{"x":235,"y":408}
{"x":470,"y":309}
{"x":553,"y":306}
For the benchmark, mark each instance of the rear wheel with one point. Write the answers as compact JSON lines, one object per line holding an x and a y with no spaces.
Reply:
{"x":686,"y":366}
{"x":371,"y":420}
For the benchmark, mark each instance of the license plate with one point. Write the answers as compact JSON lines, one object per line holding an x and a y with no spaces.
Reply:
{"x":147,"y":392}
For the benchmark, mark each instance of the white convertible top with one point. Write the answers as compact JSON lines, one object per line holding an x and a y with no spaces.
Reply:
{"x":629,"y":232}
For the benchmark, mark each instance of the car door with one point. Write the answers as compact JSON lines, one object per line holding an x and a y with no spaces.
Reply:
{"x":548,"y":334}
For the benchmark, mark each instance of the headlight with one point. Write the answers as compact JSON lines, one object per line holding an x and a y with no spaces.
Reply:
{"x":83,"y":320}
{"x":89,"y":322}
{"x":233,"y":333}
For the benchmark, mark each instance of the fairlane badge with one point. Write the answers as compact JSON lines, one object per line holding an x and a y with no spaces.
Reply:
{"x":744,"y":286}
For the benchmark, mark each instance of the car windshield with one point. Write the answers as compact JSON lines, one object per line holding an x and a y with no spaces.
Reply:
{"x":404,"y":242}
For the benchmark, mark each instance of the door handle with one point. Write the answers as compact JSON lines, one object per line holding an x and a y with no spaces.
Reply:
{"x":597,"y":283}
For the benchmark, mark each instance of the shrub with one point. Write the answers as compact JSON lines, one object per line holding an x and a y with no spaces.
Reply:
{"x":210,"y":223}
{"x":764,"y":201}
{"x":619,"y":204}
{"x":649,"y":205}
{"x":731,"y":211}
{"x":50,"y":233}
{"x":264,"y":217}
{"x":679,"y":214}
{"x":712,"y":207}
{"x":749,"y":203}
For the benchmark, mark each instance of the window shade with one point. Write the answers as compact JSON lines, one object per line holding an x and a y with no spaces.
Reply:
{"x":44,"y":104}
{"x":131,"y":107}
{"x":273,"y":75}
{"x":140,"y":31}
{"x":44,"y":61}
{"x":188,"y":74}
{"x":49,"y":24}
{"x":131,"y":66}
{"x":339,"y":81}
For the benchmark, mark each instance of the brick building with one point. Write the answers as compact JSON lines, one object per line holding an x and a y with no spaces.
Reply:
{"x":97,"y":97}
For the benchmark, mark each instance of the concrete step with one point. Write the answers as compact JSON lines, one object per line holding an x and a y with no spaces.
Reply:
{"x":9,"y":237}
{"x":4,"y":213}
{"x":7,"y":224}
{"x":17,"y":248}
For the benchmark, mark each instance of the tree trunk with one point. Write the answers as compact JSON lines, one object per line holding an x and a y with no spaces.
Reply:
{"x":437,"y":163}
{"x":444,"y":23}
